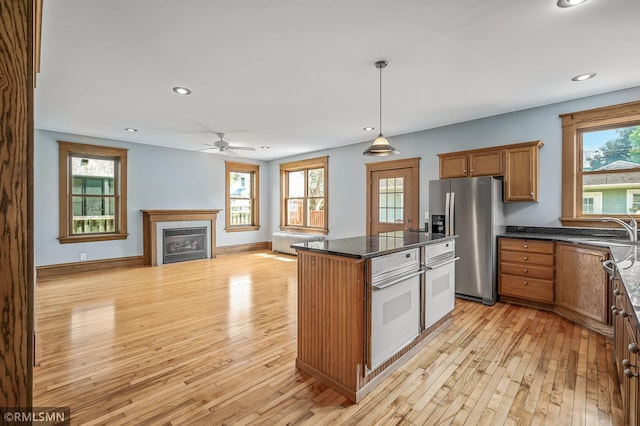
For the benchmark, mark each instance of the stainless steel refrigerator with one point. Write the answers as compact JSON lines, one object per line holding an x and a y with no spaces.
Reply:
{"x":471,"y":208}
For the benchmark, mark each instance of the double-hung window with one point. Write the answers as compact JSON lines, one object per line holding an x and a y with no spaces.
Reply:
{"x":92,"y":193}
{"x":601,"y":164}
{"x":304,"y":195}
{"x":242,"y":197}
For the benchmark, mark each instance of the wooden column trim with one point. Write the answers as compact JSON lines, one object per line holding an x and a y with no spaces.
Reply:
{"x":16,"y":203}
{"x":150,"y":219}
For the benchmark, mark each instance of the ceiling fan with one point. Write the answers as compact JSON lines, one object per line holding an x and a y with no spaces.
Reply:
{"x":224,"y":146}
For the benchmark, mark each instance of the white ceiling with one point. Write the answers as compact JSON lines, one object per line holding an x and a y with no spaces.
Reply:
{"x":299,"y":75}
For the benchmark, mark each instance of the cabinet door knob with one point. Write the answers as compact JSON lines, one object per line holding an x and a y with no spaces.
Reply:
{"x":629,"y":374}
{"x":526,"y":246}
{"x":532,"y":195}
{"x":624,"y":313}
{"x":616,"y":292}
{"x":626,"y":363}
{"x":525,"y":257}
{"x":614,"y":310}
{"x":526,"y":283}
{"x":526,"y":270}
{"x":633,"y":348}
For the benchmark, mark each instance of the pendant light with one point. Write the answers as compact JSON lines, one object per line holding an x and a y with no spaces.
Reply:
{"x":380,"y":146}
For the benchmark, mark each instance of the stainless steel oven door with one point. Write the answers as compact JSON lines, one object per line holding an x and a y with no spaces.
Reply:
{"x":440,"y":289}
{"x":395,"y":316}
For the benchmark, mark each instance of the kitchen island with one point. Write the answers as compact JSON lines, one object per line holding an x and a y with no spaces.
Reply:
{"x":345,"y":329}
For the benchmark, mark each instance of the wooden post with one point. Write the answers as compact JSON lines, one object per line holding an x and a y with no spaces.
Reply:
{"x":16,"y":203}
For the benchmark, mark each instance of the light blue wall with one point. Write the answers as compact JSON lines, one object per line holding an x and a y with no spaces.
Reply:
{"x":163,"y":178}
{"x":158,"y":178}
{"x":347,"y":164}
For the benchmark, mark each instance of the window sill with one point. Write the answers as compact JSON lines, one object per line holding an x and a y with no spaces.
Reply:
{"x":241,"y":228}
{"x":91,"y":238}
{"x":592,"y":222}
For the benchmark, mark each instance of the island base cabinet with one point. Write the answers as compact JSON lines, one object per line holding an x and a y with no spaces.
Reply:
{"x":331,"y":319}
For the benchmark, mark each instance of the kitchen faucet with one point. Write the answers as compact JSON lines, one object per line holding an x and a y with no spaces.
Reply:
{"x":631,"y":227}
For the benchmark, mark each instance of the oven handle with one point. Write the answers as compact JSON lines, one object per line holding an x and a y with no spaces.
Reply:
{"x":396,"y":280}
{"x":443,"y":263}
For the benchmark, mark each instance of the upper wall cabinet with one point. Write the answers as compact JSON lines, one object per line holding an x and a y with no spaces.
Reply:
{"x":518,"y":163}
{"x":475,"y":163}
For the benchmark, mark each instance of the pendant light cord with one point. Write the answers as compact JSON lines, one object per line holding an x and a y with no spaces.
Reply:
{"x":380,"y":101}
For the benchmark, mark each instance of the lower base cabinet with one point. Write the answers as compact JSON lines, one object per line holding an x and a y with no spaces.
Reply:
{"x":625,"y":352}
{"x":581,"y":282}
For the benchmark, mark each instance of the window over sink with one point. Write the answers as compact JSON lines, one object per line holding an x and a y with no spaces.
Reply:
{"x":601,"y":164}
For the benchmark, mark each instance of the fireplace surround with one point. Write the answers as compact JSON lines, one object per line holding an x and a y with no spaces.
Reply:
{"x":152,"y":220}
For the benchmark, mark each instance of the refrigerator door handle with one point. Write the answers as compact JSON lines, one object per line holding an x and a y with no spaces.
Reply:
{"x":447,"y":199}
{"x":452,"y":218}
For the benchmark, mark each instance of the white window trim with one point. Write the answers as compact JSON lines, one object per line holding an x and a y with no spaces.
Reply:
{"x":597,"y":201}
{"x":630,"y":194}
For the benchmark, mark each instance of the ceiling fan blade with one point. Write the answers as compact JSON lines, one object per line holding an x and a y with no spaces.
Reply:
{"x":246,"y":148}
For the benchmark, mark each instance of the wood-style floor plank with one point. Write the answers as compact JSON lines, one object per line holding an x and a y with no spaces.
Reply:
{"x":213,"y":342}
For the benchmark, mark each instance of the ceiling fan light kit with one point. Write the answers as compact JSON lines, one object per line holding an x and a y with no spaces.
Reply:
{"x":380,"y":146}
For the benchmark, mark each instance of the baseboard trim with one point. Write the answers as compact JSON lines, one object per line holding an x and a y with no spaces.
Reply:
{"x":62,"y":269}
{"x":240,"y":248}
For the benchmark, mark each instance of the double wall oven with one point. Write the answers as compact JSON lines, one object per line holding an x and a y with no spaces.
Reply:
{"x":402,"y":303}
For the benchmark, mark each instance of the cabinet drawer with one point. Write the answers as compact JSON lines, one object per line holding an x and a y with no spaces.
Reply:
{"x":525,"y":258}
{"x":532,"y":271}
{"x":526,"y":288}
{"x":532,"y":246}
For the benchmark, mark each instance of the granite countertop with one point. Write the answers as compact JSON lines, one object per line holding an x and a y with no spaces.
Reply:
{"x":368,"y":246}
{"x":625,"y":254}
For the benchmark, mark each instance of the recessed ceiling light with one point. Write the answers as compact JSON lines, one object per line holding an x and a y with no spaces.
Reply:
{"x":181,"y":90}
{"x":368,"y":128}
{"x":130,"y":129}
{"x":265,"y":147}
{"x":583,"y":77}
{"x":569,"y":3}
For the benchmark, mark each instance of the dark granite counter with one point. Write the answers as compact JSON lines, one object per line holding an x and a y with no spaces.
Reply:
{"x":368,"y":246}
{"x":622,"y":251}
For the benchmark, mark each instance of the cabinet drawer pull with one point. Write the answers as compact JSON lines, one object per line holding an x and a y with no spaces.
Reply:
{"x":616,"y":292}
{"x":626,"y":363}
{"x":624,"y":313}
{"x":526,"y":283}
{"x":525,"y":257}
{"x":614,"y":310}
{"x":633,"y":348}
{"x":629,"y":374}
{"x":526,"y":270}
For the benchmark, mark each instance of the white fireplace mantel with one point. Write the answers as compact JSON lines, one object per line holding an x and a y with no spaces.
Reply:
{"x":150,"y":219}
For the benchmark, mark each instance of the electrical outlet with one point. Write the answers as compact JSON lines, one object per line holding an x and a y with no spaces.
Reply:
{"x":83,"y":256}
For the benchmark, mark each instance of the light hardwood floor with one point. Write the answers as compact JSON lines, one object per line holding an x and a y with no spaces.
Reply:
{"x":214,"y":342}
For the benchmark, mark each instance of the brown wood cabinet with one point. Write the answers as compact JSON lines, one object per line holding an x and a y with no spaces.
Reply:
{"x":476,"y":163}
{"x":521,"y":173}
{"x":625,"y":352}
{"x":527,"y":269}
{"x":518,"y":163}
{"x":581,"y":281}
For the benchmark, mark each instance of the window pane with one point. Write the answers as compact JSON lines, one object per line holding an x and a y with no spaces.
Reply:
{"x":296,"y":184}
{"x":315,"y":213}
{"x":240,"y":186}
{"x":316,"y":183}
{"x":240,"y":212}
{"x":295,"y":212}
{"x":92,"y":176}
{"x":93,"y":214}
{"x":608,"y":182}
{"x":612,"y":149}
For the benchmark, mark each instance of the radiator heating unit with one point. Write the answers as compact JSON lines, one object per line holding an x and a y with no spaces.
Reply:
{"x":281,"y":241}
